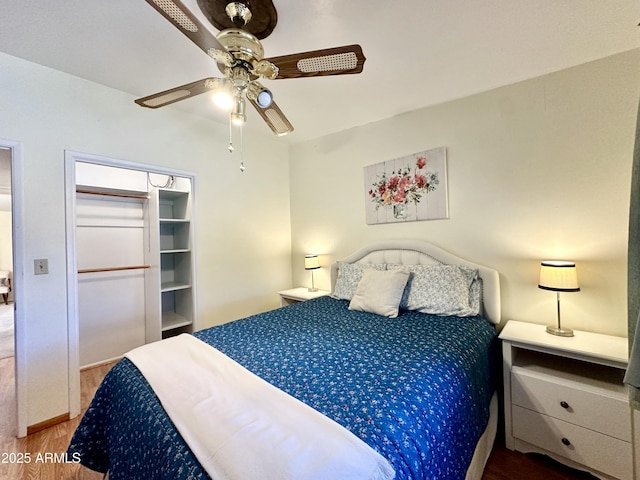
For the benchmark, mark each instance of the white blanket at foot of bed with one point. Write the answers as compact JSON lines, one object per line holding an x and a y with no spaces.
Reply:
{"x":241,"y":427}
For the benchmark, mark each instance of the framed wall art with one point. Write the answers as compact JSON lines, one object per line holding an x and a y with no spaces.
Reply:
{"x":407,"y":189}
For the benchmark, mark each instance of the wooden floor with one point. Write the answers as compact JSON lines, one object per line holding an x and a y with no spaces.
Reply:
{"x":40,"y":448}
{"x":503,"y":464}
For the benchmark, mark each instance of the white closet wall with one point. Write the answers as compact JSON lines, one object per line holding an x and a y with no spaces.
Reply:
{"x":111,"y":308}
{"x":110,"y":233}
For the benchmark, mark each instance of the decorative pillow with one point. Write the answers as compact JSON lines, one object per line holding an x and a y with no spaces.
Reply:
{"x":349,"y":274}
{"x":380,"y":292}
{"x":475,"y":293}
{"x":441,"y":290}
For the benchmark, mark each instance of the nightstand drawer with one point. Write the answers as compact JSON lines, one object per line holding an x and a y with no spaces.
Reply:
{"x":594,"y":450}
{"x":583,"y":405}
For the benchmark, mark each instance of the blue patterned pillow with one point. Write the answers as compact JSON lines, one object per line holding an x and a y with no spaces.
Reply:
{"x":349,"y":275}
{"x":475,"y":294}
{"x":441,"y":290}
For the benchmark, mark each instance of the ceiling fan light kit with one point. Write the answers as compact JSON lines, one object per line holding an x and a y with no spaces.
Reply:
{"x":238,"y":116}
{"x":222,"y":96}
{"x":240,"y":58}
{"x":260,"y":95}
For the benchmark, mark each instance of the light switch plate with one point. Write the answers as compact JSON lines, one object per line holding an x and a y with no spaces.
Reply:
{"x":41,"y":266}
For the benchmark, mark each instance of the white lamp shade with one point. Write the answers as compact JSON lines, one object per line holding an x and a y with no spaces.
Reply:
{"x":558,"y":276}
{"x":311,"y":262}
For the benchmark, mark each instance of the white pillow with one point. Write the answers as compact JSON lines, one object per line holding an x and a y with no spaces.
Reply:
{"x":380,"y":292}
{"x":441,"y":290}
{"x":349,"y":274}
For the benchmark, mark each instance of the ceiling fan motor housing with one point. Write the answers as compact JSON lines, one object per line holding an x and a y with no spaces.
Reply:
{"x":247,"y":53}
{"x":244,"y":46}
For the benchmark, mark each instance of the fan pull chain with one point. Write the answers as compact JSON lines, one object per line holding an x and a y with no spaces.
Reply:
{"x":242,"y":167}
{"x":230,"y":148}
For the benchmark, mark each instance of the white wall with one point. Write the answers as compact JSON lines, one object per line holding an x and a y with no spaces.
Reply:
{"x":537,"y":170}
{"x":243,"y":233}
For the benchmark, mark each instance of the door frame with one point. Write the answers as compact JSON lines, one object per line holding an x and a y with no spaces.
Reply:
{"x":18,"y":282}
{"x":70,"y":159}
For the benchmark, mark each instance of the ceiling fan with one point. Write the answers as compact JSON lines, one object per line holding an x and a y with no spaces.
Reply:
{"x":240,"y":58}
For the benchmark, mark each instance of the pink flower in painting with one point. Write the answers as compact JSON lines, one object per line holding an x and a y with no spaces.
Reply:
{"x":421,"y":181}
{"x":399,"y":196}
{"x":393,"y":183}
{"x":421,"y":162}
{"x":405,"y":184}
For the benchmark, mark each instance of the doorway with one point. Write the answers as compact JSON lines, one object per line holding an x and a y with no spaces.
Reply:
{"x":7,"y":338}
{"x":12,"y":353}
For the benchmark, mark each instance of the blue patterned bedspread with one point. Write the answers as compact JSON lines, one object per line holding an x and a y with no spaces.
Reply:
{"x":415,"y":388}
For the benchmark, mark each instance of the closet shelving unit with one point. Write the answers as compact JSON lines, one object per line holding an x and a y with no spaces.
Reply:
{"x":170,"y":250}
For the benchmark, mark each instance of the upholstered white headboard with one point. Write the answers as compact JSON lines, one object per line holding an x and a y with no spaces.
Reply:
{"x":411,"y":252}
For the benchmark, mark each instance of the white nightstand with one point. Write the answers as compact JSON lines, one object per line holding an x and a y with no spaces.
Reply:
{"x":564,"y":397}
{"x":300,"y":294}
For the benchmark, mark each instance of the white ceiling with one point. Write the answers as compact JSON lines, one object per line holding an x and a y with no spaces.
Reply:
{"x":419,"y":52}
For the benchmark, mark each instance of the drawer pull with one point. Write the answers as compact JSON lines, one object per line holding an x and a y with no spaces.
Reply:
{"x":564,"y":404}
{"x":565,"y":441}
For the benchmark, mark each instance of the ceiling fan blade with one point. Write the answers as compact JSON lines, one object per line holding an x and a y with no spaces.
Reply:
{"x":274,"y":117}
{"x":329,"y":61}
{"x":187,"y":23}
{"x":183,"y":92}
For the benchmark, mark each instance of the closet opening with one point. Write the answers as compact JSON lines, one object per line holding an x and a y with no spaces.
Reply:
{"x":130,"y":250}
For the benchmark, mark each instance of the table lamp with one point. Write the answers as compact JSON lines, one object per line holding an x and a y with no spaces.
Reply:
{"x":559,"y":276}
{"x":312,"y":263}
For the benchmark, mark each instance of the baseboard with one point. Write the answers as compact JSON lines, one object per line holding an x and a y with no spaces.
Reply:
{"x":100,"y":364}
{"x":36,"y":427}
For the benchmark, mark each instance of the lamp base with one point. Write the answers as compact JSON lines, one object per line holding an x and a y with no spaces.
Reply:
{"x":561,"y":332}
{"x":312,"y":289}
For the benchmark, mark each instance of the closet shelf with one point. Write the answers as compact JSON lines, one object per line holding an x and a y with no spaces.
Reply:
{"x":174,"y":220}
{"x":112,"y":269}
{"x":107,"y":193}
{"x":173,"y":286}
{"x":173,"y":320}
{"x":106,"y":225}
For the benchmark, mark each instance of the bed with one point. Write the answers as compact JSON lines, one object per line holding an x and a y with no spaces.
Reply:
{"x":415,"y":388}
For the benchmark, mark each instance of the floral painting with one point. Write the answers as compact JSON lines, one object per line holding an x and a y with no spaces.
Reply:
{"x":406,"y":189}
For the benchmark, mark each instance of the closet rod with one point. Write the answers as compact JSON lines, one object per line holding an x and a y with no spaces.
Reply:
{"x":113,"y":194}
{"x":113,"y":269}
